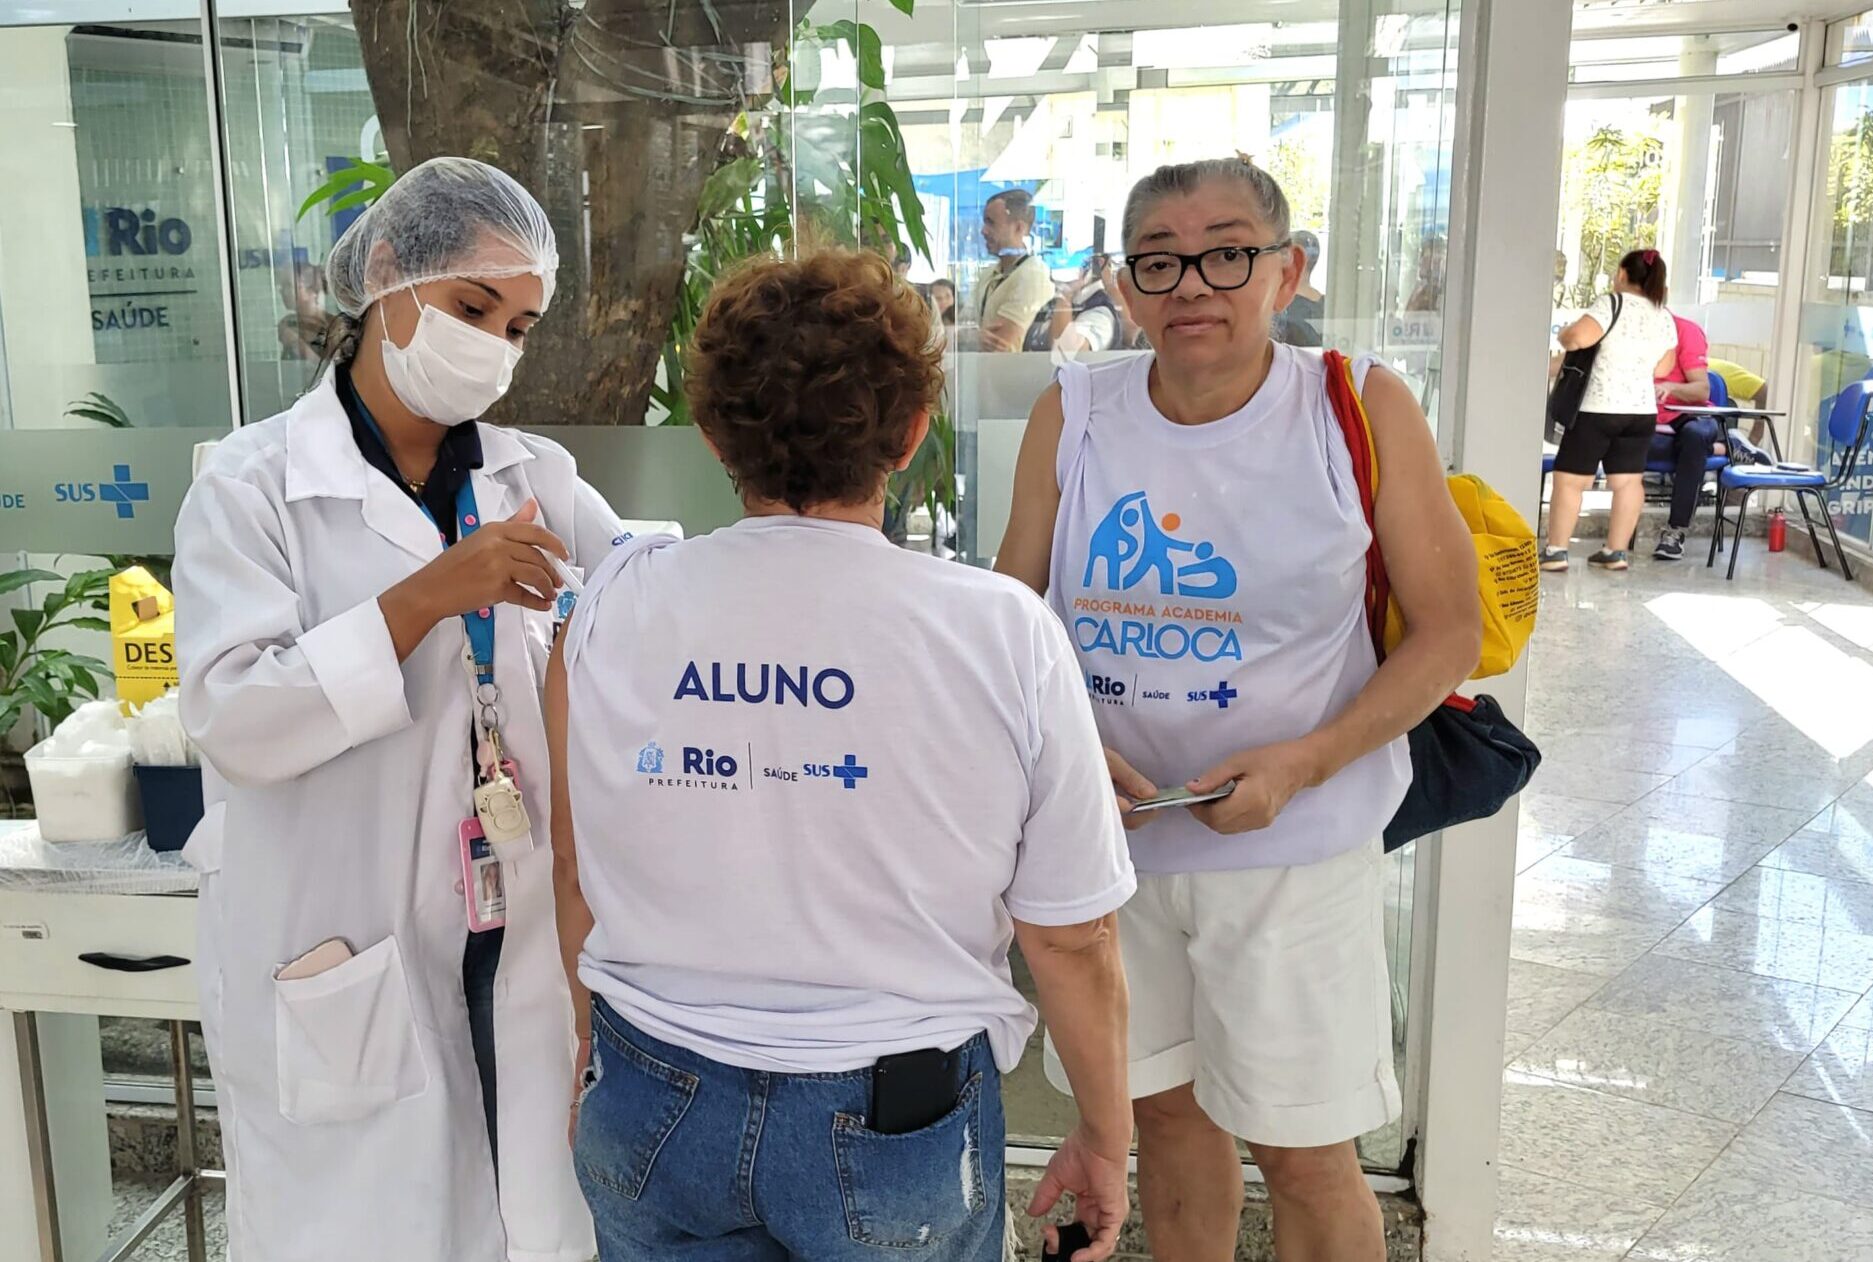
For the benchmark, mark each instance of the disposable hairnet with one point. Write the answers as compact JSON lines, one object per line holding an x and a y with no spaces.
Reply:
{"x":446,"y":218}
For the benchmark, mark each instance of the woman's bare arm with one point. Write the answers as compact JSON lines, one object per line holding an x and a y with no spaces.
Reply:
{"x":1581,"y":334}
{"x":1028,"y":543}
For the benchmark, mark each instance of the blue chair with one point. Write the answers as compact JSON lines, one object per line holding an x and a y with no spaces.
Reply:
{"x":1847,"y":425}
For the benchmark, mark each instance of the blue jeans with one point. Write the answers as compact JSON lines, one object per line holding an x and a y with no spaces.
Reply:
{"x":1689,"y":445}
{"x":683,"y":1157}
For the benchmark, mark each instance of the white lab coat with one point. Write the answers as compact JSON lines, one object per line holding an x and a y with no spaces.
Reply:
{"x":336,"y":783}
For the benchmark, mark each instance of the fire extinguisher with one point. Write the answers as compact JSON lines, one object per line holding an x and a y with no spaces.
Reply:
{"x":1778,"y":531}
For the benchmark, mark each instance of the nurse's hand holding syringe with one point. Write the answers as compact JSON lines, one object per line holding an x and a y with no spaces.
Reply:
{"x":504,"y":562}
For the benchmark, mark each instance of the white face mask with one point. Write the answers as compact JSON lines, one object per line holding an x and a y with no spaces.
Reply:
{"x":450,"y":372}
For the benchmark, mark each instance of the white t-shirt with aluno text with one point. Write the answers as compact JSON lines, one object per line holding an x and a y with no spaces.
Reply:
{"x":815,"y":778}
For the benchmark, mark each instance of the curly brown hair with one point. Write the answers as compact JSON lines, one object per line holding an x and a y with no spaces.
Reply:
{"x":808,"y":375}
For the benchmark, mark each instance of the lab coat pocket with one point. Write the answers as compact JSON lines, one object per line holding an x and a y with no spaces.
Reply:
{"x":347,"y":1040}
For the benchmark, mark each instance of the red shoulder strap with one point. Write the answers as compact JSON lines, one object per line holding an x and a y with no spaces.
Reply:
{"x":1344,"y":400}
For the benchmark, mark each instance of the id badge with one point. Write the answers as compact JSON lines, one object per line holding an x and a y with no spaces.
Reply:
{"x":484,"y":885}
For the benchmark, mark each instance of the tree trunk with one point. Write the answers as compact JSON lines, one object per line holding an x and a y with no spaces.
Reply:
{"x":613,"y":115}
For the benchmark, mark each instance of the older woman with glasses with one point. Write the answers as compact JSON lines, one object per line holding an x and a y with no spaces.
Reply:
{"x":1193,"y":517}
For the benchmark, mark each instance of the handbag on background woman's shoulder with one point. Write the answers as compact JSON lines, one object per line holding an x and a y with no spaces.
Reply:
{"x":1570,"y":384}
{"x":1467,"y":758}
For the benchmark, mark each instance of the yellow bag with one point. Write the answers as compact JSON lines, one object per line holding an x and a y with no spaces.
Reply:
{"x":1508,"y":573}
{"x":143,"y":637}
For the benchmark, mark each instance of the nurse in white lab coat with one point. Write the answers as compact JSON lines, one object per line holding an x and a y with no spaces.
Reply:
{"x":322,"y":626}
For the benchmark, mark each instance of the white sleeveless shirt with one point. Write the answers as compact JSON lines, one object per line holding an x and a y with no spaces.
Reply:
{"x":1212,"y":579}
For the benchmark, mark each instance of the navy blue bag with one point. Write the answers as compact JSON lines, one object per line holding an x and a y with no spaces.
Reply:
{"x":1467,"y":759}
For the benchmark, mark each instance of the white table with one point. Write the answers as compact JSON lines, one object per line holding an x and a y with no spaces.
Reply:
{"x":1735,"y":414}
{"x":62,"y":962}
{"x":1717,"y":409}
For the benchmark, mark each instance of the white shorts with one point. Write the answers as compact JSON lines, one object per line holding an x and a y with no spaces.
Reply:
{"x":1268,"y":988}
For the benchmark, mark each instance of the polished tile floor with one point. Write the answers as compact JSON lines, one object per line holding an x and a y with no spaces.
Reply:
{"x":1689,"y":1071}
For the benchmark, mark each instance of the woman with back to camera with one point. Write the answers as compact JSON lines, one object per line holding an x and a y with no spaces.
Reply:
{"x":1638,"y":339}
{"x":1194,"y":519}
{"x":364,"y":600}
{"x":818,"y":785}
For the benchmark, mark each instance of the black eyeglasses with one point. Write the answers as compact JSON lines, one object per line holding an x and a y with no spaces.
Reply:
{"x":1225,"y":267}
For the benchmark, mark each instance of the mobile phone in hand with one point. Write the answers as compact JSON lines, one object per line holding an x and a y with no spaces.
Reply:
{"x":1183,"y":797}
{"x":1073,"y":1238}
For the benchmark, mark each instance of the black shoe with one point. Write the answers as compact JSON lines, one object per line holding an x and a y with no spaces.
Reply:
{"x":1554,"y":560}
{"x":1607,"y":559}
{"x":1670,"y":545}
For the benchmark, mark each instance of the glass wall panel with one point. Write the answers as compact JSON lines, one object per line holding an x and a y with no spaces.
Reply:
{"x":1073,"y":113}
{"x":1850,"y":40}
{"x":863,"y":123}
{"x":1633,"y":58}
{"x":110,"y":281}
{"x":1701,"y":179}
{"x":1837,"y":309}
{"x":298,"y":110}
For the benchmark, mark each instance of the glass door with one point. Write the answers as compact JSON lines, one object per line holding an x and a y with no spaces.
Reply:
{"x":110,"y":281}
{"x":1837,"y":304}
{"x":298,"y":110}
{"x":1352,"y":110}
{"x":1698,"y":177}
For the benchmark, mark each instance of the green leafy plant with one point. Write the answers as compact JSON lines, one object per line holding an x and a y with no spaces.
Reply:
{"x":1613,"y":188}
{"x":929,"y":480}
{"x":50,"y":681}
{"x":100,"y":408}
{"x":372,"y":177}
{"x":1850,"y":189}
{"x":808,"y":163}
{"x":820,"y":164}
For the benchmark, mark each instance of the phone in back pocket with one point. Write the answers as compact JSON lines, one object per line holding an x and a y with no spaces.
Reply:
{"x":913,"y":1090}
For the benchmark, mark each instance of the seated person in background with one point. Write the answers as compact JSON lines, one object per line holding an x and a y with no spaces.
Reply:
{"x":1096,"y":322}
{"x":941,"y":294}
{"x":1746,"y":388}
{"x":1299,"y":324}
{"x":1018,"y":287}
{"x":1048,"y":324}
{"x":1683,"y":377}
{"x":943,"y":298}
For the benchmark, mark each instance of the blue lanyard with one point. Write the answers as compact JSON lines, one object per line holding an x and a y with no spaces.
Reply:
{"x":478,"y":622}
